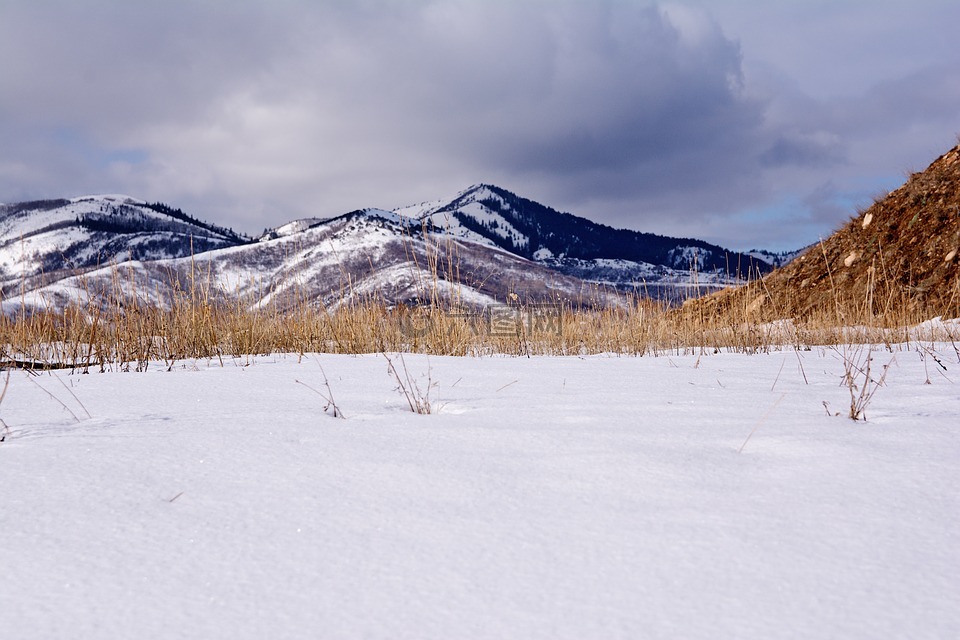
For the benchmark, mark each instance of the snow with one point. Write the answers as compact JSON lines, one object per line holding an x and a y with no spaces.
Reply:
{"x":467,"y":204}
{"x":551,"y":497}
{"x":451,"y":226}
{"x":543,"y":254}
{"x":418,"y":211}
{"x":293,"y":227}
{"x":25,"y":223}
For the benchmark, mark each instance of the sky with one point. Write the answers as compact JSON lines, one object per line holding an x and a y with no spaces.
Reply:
{"x":749,"y":124}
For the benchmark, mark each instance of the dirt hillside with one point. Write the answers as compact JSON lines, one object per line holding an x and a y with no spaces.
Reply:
{"x":896,"y":260}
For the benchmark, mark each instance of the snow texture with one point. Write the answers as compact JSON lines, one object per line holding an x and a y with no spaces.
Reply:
{"x":550,"y":498}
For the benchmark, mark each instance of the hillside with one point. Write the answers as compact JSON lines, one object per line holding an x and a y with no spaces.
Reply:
{"x":896,"y":258}
{"x":43,"y":241}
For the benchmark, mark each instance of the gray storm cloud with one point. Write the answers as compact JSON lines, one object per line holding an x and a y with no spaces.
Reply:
{"x":252,"y":113}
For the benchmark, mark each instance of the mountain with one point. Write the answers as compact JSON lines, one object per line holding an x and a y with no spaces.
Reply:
{"x":481,"y":247}
{"x":40,"y":240}
{"x":364,"y":254}
{"x":582,"y":248}
{"x":894,"y":259}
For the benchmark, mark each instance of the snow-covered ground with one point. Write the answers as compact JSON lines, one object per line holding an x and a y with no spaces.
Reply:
{"x":598,"y":497}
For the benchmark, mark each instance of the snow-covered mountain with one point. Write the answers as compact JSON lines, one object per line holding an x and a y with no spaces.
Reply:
{"x":476,"y":249}
{"x":40,"y":240}
{"x":365,"y":254}
{"x":576,"y":246}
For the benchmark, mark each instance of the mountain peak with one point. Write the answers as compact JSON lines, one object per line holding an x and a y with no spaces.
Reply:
{"x":492,"y":215}
{"x":483,"y":191}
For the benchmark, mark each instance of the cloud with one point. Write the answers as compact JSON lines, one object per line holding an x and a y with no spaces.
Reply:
{"x":818,"y":148}
{"x":250,"y":113}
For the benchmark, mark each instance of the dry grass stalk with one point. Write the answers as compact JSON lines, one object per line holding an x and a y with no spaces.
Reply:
{"x":3,"y":394}
{"x":328,"y":396}
{"x":418,"y":399}
{"x":859,"y":379}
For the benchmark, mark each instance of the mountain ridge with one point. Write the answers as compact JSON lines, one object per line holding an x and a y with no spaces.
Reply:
{"x":486,"y":240}
{"x":538,"y":232}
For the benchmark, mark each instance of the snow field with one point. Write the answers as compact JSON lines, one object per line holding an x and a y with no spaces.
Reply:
{"x":598,"y":497}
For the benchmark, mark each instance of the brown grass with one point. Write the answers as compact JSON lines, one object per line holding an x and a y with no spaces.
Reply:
{"x":115,"y":330}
